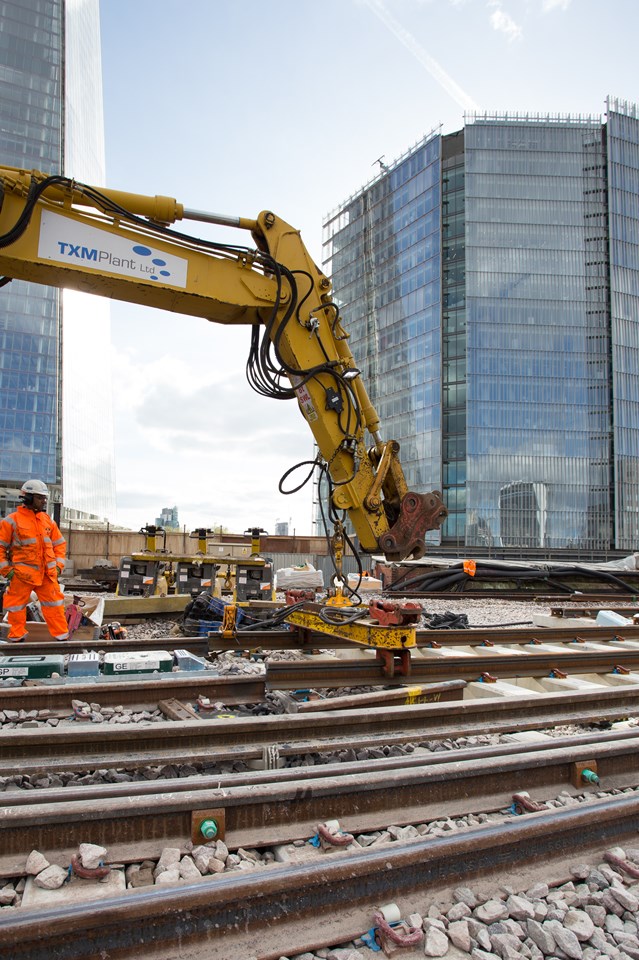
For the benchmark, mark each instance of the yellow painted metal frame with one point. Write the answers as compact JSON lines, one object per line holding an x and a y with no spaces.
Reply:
{"x":366,"y":632}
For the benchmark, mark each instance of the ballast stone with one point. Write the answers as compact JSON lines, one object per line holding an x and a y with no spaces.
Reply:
{"x":580,"y":924}
{"x":491,"y":911}
{"x":188,"y":870}
{"x":51,"y":878}
{"x":459,"y":934}
{"x":36,"y":863}
{"x":91,"y":855}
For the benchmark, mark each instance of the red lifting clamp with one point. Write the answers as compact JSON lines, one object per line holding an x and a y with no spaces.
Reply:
{"x":401,"y":935}
{"x":620,"y":864}
{"x":390,"y":614}
{"x":522,"y":803}
{"x":296,"y":596}
{"x":330,"y":839}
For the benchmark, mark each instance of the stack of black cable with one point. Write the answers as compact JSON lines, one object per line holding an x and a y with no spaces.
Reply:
{"x":551,"y":577}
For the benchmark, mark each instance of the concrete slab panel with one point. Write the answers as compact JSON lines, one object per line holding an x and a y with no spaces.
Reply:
{"x":75,"y":891}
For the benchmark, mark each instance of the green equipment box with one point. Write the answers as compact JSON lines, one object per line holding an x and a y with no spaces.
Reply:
{"x":144,"y":661}
{"x":31,"y":667}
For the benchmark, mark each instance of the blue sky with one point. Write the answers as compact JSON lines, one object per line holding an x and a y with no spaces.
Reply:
{"x":235,"y":107}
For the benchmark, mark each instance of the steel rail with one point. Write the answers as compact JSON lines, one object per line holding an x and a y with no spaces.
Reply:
{"x":139,"y":692}
{"x":583,"y":611}
{"x":142,"y":693}
{"x":534,"y":662}
{"x":420,"y":758}
{"x":253,"y":916}
{"x":285,"y":808}
{"x":135,"y":692}
{"x":196,"y":645}
{"x":227,"y":739}
{"x":294,"y":639}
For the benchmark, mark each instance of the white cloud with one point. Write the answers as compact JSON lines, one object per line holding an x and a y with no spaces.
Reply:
{"x":435,"y":69}
{"x":193,"y":434}
{"x":502,"y":22}
{"x":549,"y":5}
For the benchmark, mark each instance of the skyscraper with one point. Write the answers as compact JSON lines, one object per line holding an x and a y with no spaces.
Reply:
{"x":490,"y":281}
{"x":55,"y":387}
{"x":168,"y":518}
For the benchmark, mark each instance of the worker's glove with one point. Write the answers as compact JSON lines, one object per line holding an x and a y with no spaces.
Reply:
{"x":9,"y":576}
{"x":59,"y":571}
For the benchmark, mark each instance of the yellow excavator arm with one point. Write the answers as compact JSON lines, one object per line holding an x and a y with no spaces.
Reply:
{"x":56,"y":231}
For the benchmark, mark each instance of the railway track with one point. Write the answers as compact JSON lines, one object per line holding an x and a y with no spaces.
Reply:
{"x":280,"y":807}
{"x":592,"y":610}
{"x":486,"y":664}
{"x":197,"y":645}
{"x":253,"y":915}
{"x":420,"y":758}
{"x":563,"y":668}
{"x":441,"y":656}
{"x":79,"y":747}
{"x":296,"y":640}
{"x":139,"y":693}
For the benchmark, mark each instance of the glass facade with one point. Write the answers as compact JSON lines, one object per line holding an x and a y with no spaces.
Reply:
{"x":453,"y":336}
{"x":51,"y":109}
{"x":623,"y":193}
{"x":31,"y":38}
{"x":538,"y":436}
{"x":383,"y":250}
{"x":490,"y":281}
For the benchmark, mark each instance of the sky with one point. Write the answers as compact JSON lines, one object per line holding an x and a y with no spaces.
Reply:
{"x":239,"y":106}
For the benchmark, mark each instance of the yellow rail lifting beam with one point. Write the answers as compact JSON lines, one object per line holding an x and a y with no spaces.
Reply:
{"x":366,"y":632}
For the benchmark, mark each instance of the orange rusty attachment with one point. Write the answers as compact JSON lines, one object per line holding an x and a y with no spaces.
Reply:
{"x":298,"y":596}
{"x":88,"y":873}
{"x":522,"y":803}
{"x":392,"y":937}
{"x":329,"y":839}
{"x":395,"y":663}
{"x":390,"y":614}
{"x":418,"y":513}
{"x":620,"y":864}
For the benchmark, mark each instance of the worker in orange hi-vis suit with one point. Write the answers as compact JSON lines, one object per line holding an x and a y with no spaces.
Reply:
{"x":32,"y":553}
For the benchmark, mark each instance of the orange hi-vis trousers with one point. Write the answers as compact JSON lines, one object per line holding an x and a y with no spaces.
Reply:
{"x":18,"y":595}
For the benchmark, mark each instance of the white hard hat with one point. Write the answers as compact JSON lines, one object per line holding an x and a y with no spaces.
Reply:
{"x":35,"y":486}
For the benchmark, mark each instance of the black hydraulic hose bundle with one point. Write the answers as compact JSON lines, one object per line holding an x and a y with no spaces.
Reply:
{"x":447,"y":621}
{"x":270,"y":623}
{"x":455,"y":576}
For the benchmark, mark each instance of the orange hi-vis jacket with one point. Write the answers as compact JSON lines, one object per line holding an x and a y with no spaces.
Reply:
{"x":31,"y":544}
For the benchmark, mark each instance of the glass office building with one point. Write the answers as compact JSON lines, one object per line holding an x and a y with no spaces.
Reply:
{"x":55,"y":385}
{"x":490,"y":281}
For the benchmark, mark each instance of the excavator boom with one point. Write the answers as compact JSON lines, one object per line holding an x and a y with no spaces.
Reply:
{"x":56,"y":231}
